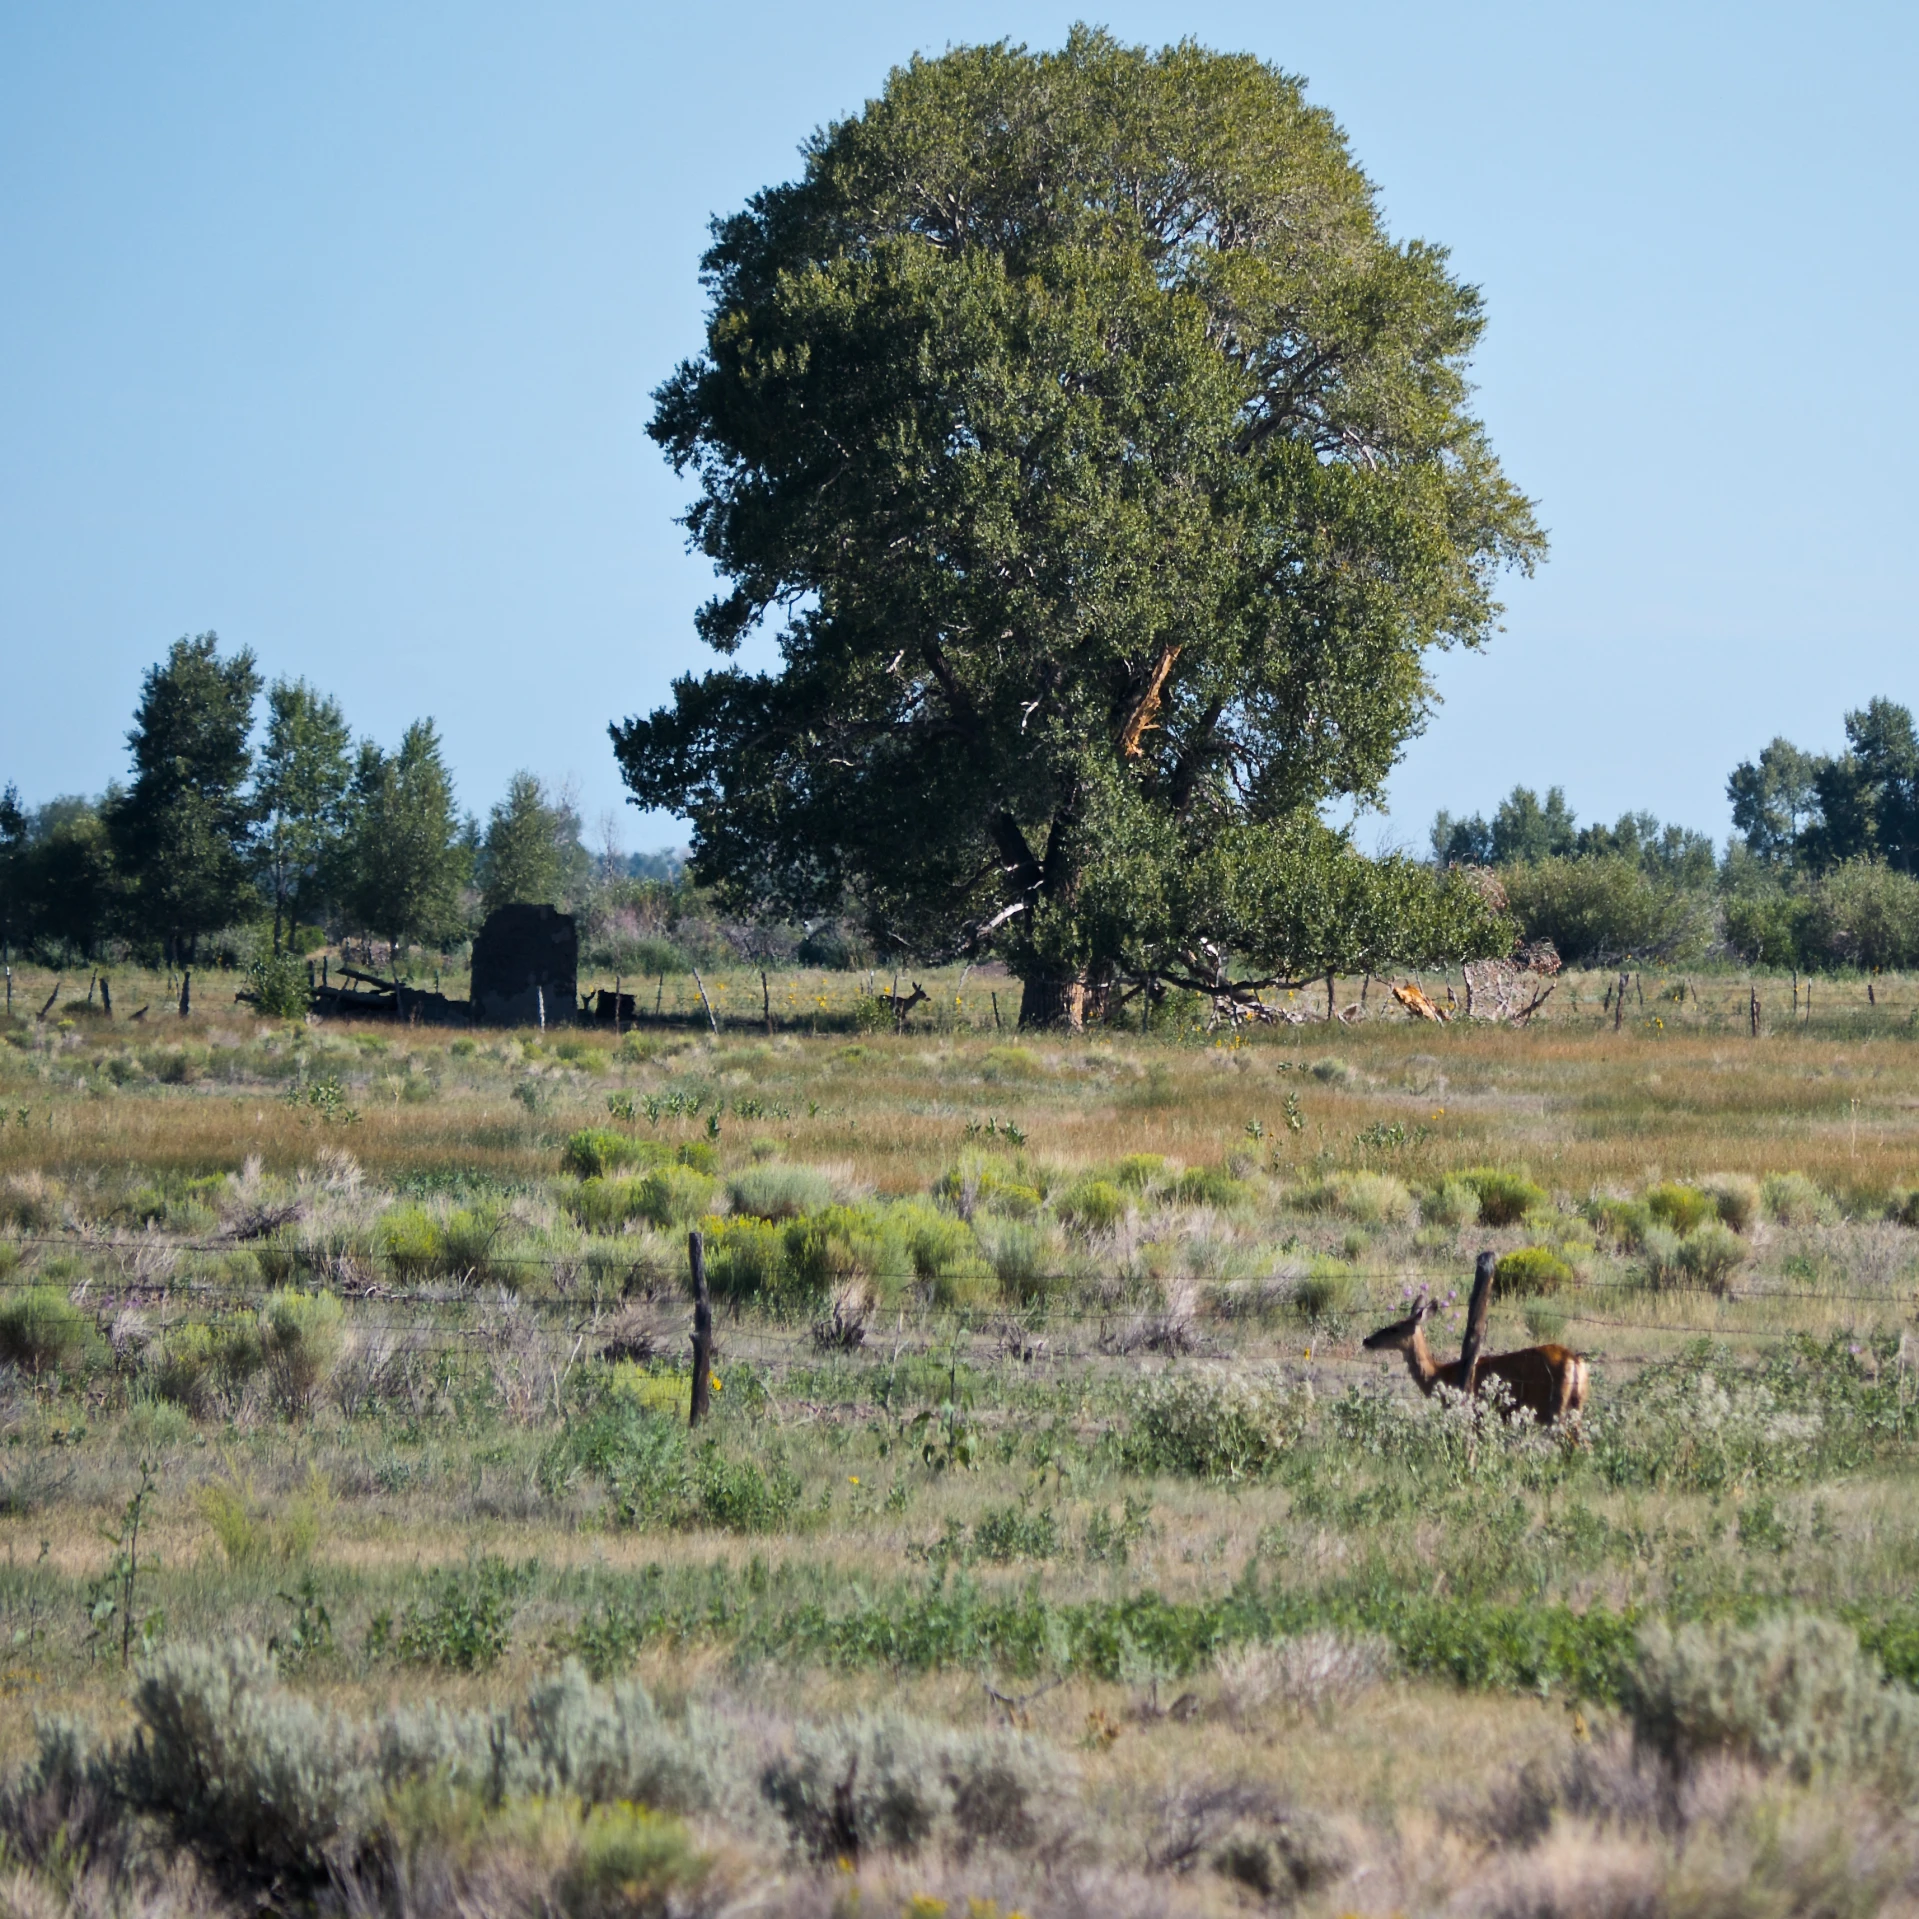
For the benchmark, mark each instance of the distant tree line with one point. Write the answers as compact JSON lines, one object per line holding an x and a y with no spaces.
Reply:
{"x":1822,"y":870}
{"x":278,"y":827}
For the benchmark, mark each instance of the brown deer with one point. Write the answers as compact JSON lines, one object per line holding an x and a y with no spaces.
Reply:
{"x":900,"y":1004}
{"x":1547,"y":1381}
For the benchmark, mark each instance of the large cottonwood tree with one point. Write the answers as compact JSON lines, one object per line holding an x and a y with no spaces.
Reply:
{"x":1107,"y":473}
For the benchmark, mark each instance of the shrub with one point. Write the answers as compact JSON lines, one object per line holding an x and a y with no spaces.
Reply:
{"x":605,"y":1205}
{"x":598,"y":1150}
{"x":1334,"y":1072}
{"x":1902,"y":1210}
{"x":1373,"y":1199}
{"x":262,"y":1786}
{"x":1452,"y":1203}
{"x":1737,"y":1197}
{"x":632,"y":1863}
{"x":1504,"y":1198}
{"x":1212,"y":1425}
{"x":1209,"y":1186}
{"x":31,"y":1201}
{"x":1792,"y":1199}
{"x":42,"y":1331}
{"x":1793,"y":1693}
{"x":779,"y":1192}
{"x":465,"y":1620}
{"x":746,"y":1260}
{"x":1020,"y":1259}
{"x":1659,"y":1256}
{"x":673,"y":1196}
{"x":1680,"y":1207}
{"x":199,"y":1359}
{"x":1326,"y":1289}
{"x":410,"y":1238}
{"x":1545,"y":1325}
{"x":1093,"y":1205}
{"x":302,"y":1337}
{"x":278,"y":983}
{"x":887,"y":1782}
{"x":1532,"y":1269}
{"x":1317,"y":1672}
{"x":1711,"y":1254}
{"x":1137,"y":1171}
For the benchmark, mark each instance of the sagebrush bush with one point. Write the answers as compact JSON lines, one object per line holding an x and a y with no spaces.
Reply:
{"x":1791,"y":1199}
{"x":1317,"y":1672}
{"x":31,"y":1201}
{"x":1210,"y":1186}
{"x":1092,"y":1205}
{"x":1531,"y":1270}
{"x":1137,"y":1171}
{"x":262,"y":1786}
{"x":278,"y":982}
{"x":1022,"y":1260}
{"x":1793,"y":1693}
{"x":1504,"y":1198}
{"x":1681,"y":1207}
{"x":1373,"y":1199}
{"x":302,"y":1340}
{"x":780,"y":1192}
{"x":673,"y":1196}
{"x":631,"y":1862}
{"x":886,"y":1782}
{"x":1212,"y":1424}
{"x":1710,"y":1255}
{"x":1737,"y":1197}
{"x":1451,"y":1203}
{"x":42,"y":1331}
{"x":1327,"y":1288}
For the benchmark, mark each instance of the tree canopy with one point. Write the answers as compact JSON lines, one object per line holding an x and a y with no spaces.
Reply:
{"x":181,"y":828}
{"x":1107,"y":474}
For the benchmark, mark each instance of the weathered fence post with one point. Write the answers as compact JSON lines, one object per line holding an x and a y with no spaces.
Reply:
{"x":1619,"y":1004}
{"x":1752,"y":1011}
{"x":702,"y":1332}
{"x":707,"y":1003}
{"x":106,"y":996}
{"x":766,"y":1003}
{"x":1476,"y":1310}
{"x":186,"y":992}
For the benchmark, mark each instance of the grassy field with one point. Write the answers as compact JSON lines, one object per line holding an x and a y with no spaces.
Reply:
{"x":1053,"y":1548}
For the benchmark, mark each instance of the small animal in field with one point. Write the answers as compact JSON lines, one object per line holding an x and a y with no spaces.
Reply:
{"x":1549,"y":1382}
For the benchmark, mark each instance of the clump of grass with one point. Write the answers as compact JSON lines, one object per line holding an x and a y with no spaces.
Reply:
{"x":1138,"y":1171}
{"x":1531,"y":1270}
{"x":1504,"y":1198}
{"x":1334,"y":1072}
{"x":31,"y":1201}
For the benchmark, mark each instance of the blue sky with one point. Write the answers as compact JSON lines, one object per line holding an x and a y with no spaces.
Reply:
{"x":334,"y":330}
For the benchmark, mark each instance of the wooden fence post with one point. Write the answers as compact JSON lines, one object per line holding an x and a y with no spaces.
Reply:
{"x":707,"y":1003}
{"x":1619,"y":1004}
{"x":1476,"y":1310}
{"x":766,"y":1002}
{"x":702,"y":1332}
{"x":1752,"y":1012}
{"x":186,"y":992}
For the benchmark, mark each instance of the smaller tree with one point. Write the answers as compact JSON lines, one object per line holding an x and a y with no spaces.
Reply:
{"x":1773,"y":800}
{"x":532,"y":849}
{"x":13,"y":866}
{"x":180,"y":831}
{"x":405,"y":861}
{"x":301,"y":789}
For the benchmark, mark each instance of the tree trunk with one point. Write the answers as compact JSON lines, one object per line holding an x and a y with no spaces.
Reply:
{"x":1062,"y":1002}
